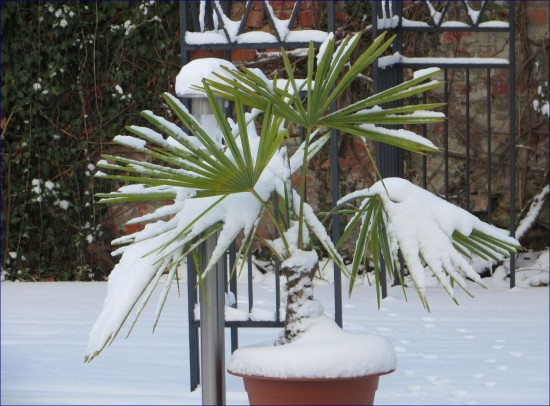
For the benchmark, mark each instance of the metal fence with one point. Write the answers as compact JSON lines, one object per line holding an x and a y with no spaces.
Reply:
{"x":199,"y":17}
{"x":437,"y":22}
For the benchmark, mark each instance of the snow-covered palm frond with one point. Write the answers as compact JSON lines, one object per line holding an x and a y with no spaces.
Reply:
{"x":214,"y":188}
{"x":326,"y":83}
{"x":161,"y":247}
{"x":400,"y":219}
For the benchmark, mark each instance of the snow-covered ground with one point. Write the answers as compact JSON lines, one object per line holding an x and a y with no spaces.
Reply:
{"x":492,"y":349}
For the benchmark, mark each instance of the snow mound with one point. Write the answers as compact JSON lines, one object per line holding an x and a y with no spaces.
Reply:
{"x":307,"y":356}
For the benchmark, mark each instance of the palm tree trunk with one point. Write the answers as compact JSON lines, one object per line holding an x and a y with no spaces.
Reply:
{"x":299,"y":271}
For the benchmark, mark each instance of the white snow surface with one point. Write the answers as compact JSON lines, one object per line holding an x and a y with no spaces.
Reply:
{"x":479,"y":352}
{"x":193,"y":73}
{"x":308,"y":357}
{"x":396,"y":57}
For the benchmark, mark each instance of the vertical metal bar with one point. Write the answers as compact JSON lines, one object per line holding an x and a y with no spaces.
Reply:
{"x":424,"y":158}
{"x":212,"y":328}
{"x":277,"y":291}
{"x":383,"y":278}
{"x":489,"y":153}
{"x":233,"y":290}
{"x":212,"y":299}
{"x":399,"y":12}
{"x":183,"y":30}
{"x":335,"y":193}
{"x":209,"y":16}
{"x":512,"y":146}
{"x":249,"y":280}
{"x":467,"y":170}
{"x":277,"y":271}
{"x":330,"y":16}
{"x":375,"y":6}
{"x":194,"y":361}
{"x":446,"y":131}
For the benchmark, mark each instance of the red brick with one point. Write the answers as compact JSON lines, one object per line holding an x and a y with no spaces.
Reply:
{"x":306,"y":19}
{"x":144,"y":209}
{"x":340,"y":16}
{"x":133,"y":228}
{"x":237,"y":10}
{"x":500,"y":88}
{"x":284,"y":15}
{"x":289,"y":5}
{"x":203,"y":53}
{"x":277,"y":4}
{"x":243,"y":55}
{"x":462,"y":89}
{"x":537,"y":16}
{"x":255,"y":19}
{"x":454,"y":36}
{"x":257,"y":5}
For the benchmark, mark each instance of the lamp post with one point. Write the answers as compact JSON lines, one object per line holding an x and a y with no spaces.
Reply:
{"x":212,"y":298}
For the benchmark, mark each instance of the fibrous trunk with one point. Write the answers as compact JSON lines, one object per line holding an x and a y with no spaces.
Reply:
{"x":299,"y":270}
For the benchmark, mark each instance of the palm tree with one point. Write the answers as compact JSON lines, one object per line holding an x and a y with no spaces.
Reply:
{"x":227,"y":188}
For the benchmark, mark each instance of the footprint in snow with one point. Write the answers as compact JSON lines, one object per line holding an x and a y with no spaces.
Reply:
{"x":431,"y":379}
{"x":459,"y":393}
{"x":498,"y":347}
{"x":409,"y":372}
{"x":434,"y":380}
{"x":462,"y":330}
{"x":490,"y":383}
{"x":394,"y":314}
{"x":500,"y":340}
{"x":490,"y":361}
{"x":427,"y":319}
{"x":384,"y":329}
{"x":469,"y":337}
{"x":478,"y":375}
{"x":501,"y":367}
{"x":415,"y":389}
{"x":516,"y":354}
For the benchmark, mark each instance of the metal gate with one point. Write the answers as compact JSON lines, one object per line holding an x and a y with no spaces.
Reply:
{"x":436,"y":19}
{"x":479,"y":75}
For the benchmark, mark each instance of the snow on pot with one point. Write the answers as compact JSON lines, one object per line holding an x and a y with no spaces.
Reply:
{"x":324,"y":365}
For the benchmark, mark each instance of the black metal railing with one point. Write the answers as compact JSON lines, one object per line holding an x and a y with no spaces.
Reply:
{"x":389,"y":16}
{"x":386,"y":16}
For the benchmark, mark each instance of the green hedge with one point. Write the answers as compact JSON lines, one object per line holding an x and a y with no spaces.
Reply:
{"x":74,"y":74}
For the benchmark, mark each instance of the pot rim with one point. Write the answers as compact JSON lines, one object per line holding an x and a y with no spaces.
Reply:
{"x":307,"y":379}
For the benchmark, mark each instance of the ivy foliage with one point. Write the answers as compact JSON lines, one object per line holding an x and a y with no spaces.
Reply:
{"x":74,"y":74}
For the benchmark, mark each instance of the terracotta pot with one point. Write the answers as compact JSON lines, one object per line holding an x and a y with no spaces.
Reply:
{"x":263,"y":390}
